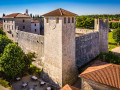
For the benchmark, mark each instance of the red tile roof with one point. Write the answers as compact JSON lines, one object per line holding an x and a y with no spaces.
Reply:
{"x":108,"y":74}
{"x":35,"y":21}
{"x":60,"y":12}
{"x":14,"y":15}
{"x":68,"y":87}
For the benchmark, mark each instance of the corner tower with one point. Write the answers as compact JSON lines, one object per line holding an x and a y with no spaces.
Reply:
{"x":59,"y":47}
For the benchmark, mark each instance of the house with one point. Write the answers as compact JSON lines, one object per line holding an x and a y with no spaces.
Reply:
{"x":16,"y":21}
{"x":35,"y":26}
{"x":101,"y":76}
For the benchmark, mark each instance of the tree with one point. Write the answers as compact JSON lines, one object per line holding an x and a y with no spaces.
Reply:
{"x":12,"y":61}
{"x":4,"y":41}
{"x":3,"y":14}
{"x":1,"y":32}
{"x":116,"y":35}
{"x":29,"y":58}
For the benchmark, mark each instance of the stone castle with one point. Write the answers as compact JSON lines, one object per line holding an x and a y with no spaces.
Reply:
{"x":60,"y":50}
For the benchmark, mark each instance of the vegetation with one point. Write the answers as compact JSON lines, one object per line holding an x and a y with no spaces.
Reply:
{"x":4,"y":83}
{"x":12,"y":61}
{"x":87,"y":21}
{"x":111,"y":42}
{"x":116,"y":35}
{"x":29,"y":58}
{"x":33,"y":69}
{"x":1,"y":32}
{"x":4,"y":41}
{"x":110,"y":58}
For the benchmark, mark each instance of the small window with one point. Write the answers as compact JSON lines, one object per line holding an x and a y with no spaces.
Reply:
{"x":35,"y":30}
{"x":57,"y":20}
{"x":72,"y":19}
{"x":4,"y":20}
{"x":35,"y":24}
{"x":64,"y":20}
{"x":69,"y":20}
{"x":23,"y":20}
{"x":23,"y":27}
{"x":46,"y":20}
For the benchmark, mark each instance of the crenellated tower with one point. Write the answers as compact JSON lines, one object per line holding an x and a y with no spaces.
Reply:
{"x":103,"y":27}
{"x":59,"y":47}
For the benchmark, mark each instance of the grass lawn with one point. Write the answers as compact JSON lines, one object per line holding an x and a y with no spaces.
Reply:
{"x":111,"y":43}
{"x":4,"y":83}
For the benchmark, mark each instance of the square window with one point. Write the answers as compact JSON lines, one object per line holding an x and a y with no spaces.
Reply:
{"x":23,"y":27}
{"x":72,"y":19}
{"x":57,"y":20}
{"x":46,"y":20}
{"x":65,"y":20}
{"x":69,"y":20}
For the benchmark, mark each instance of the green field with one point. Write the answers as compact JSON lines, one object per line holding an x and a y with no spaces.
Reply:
{"x":111,"y":43}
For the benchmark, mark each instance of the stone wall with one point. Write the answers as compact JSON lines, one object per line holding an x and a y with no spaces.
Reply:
{"x":87,"y":47}
{"x":83,"y":31}
{"x":30,"y":42}
{"x":92,"y":85}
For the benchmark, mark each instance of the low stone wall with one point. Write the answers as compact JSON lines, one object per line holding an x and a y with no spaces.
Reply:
{"x":30,"y":42}
{"x":83,"y":31}
{"x":87,"y":47}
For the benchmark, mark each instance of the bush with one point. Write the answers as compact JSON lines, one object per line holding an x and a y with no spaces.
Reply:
{"x":3,"y":42}
{"x":12,"y":61}
{"x":1,"y":32}
{"x":110,"y":58}
{"x":4,"y":83}
{"x":33,"y":69}
{"x":116,"y":35}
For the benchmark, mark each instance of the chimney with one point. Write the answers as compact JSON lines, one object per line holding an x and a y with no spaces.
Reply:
{"x":26,"y":13}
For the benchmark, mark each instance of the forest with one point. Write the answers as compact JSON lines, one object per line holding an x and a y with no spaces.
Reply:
{"x":87,"y":21}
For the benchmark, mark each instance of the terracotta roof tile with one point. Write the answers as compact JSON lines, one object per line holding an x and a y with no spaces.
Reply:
{"x":68,"y":87}
{"x":108,"y":74}
{"x":35,"y":21}
{"x":60,"y":12}
{"x":14,"y":15}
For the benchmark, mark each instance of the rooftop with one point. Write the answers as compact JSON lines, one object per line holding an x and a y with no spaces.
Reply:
{"x":68,"y":87}
{"x":14,"y":15}
{"x":60,"y":12}
{"x":104,"y":73}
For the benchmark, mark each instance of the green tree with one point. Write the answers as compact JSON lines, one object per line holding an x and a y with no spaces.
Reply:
{"x":1,"y":32}
{"x":29,"y":58}
{"x":3,"y":42}
{"x":12,"y":61}
{"x":116,"y":35}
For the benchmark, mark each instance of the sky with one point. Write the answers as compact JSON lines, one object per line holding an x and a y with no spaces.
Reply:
{"x":80,"y":7}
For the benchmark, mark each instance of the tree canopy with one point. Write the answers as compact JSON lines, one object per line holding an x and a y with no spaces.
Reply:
{"x":116,"y":35}
{"x":3,"y":42}
{"x":12,"y":61}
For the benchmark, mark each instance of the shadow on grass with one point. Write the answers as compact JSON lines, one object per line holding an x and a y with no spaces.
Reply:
{"x":112,"y":43}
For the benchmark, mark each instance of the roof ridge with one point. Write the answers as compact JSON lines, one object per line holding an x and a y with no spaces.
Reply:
{"x":60,"y":11}
{"x":17,"y":14}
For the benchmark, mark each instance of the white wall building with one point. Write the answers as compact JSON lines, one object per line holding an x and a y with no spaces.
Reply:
{"x":35,"y":26}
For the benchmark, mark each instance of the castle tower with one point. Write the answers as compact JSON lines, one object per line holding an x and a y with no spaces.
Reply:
{"x":26,"y":12}
{"x":59,"y":47}
{"x":103,"y":28}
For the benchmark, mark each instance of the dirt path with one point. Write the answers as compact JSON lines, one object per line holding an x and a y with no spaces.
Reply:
{"x":116,"y":51}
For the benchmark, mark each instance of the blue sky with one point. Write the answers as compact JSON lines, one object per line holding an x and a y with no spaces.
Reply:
{"x":80,"y":7}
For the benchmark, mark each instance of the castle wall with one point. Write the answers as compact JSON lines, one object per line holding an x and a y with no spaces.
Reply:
{"x":30,"y":42}
{"x":87,"y":47}
{"x":83,"y":31}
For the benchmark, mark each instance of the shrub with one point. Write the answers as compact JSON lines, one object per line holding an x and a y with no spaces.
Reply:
{"x":33,"y":69}
{"x":116,"y":35}
{"x":12,"y":61}
{"x":3,"y":42}
{"x":4,"y":83}
{"x":110,"y":57}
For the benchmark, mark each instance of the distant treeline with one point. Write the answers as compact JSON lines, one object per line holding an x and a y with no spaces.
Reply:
{"x":87,"y":21}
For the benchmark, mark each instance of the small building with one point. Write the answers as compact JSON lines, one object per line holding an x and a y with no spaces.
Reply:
{"x":101,"y":76}
{"x":35,"y":26}
{"x":16,"y":21}
{"x":68,"y":87}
